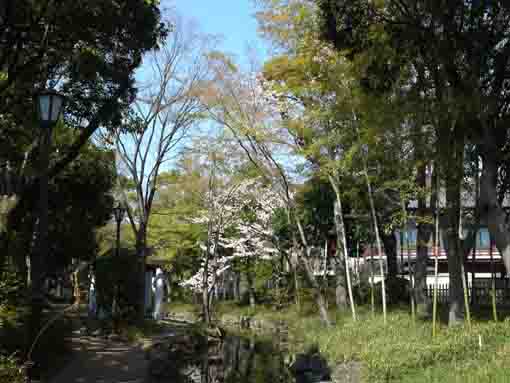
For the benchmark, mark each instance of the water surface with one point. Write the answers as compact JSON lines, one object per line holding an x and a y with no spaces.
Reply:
{"x":240,"y":359}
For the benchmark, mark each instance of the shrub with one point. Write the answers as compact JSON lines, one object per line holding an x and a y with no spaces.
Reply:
{"x":111,"y":271}
{"x":10,"y":370}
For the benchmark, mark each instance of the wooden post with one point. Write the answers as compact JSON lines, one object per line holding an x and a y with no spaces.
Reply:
{"x":402,"y":246}
{"x":493,"y":282}
{"x":473,"y":261}
{"x":358,"y":278}
{"x":477,"y":224}
{"x":466,"y":298}
{"x":411,"y":279}
{"x":325,"y":272}
{"x":372,"y":296}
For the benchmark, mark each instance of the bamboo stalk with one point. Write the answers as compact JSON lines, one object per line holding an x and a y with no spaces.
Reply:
{"x":411,"y":276}
{"x":340,"y":221}
{"x":374,"y":222}
{"x":466,"y":298}
{"x":379,"y":246}
{"x":372,"y":296}
{"x":325,"y":272}
{"x":436,"y":265}
{"x":411,"y":280}
{"x":402,"y":246}
{"x":473,"y":276}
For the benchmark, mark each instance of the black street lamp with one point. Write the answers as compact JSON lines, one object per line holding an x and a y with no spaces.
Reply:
{"x":49,"y":105}
{"x":118,"y":212}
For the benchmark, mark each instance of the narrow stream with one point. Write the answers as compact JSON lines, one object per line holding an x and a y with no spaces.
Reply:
{"x":239,"y":359}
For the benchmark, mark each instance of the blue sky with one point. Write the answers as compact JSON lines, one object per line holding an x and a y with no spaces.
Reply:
{"x":232,"y":19}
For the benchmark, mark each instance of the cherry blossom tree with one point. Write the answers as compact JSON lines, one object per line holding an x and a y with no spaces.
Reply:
{"x":238,"y":101}
{"x":238,"y":221}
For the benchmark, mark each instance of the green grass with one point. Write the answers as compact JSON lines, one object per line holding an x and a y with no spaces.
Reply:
{"x":10,"y":370}
{"x":401,"y":351}
{"x":404,"y":350}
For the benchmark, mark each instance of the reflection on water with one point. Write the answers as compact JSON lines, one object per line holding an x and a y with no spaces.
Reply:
{"x":237,"y":360}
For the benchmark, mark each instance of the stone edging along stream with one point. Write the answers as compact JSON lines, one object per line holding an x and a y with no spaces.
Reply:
{"x":243,"y":322}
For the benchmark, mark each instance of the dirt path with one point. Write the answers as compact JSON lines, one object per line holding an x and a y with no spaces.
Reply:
{"x":100,"y":360}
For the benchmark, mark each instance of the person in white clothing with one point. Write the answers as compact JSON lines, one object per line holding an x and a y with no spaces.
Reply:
{"x":92,"y":296}
{"x":158,"y":287}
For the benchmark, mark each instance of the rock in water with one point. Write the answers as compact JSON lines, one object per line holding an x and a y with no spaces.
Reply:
{"x":310,"y":367}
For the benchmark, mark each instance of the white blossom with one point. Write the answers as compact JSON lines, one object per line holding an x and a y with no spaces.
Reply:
{"x":245,"y":210}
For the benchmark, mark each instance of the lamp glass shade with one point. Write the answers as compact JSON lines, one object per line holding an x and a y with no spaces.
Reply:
{"x":118,"y":212}
{"x":56,"y":107}
{"x":50,"y":106}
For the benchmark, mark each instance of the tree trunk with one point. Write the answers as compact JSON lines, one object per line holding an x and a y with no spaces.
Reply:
{"x":451,"y":137}
{"x":390,"y":248}
{"x":76,"y":288}
{"x":497,"y":221}
{"x":236,"y":287}
{"x":342,"y":269}
{"x":294,"y":265}
{"x":424,"y":233}
{"x":453,"y":243}
{"x":317,"y":294}
{"x":251,"y":287}
{"x":141,"y":253}
{"x":205,"y":290}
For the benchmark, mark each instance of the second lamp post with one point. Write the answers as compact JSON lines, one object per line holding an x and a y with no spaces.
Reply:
{"x":118,"y":212}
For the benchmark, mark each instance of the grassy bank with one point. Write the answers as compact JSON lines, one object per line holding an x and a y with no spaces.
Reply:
{"x":402,"y":351}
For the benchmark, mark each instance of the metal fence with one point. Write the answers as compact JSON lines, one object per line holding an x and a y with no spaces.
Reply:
{"x":480,"y":294}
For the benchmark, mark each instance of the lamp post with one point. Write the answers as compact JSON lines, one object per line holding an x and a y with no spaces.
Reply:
{"x":49,"y":106}
{"x":118,"y":213}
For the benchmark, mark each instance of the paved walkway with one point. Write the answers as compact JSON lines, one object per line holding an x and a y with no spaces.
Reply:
{"x":98,"y":360}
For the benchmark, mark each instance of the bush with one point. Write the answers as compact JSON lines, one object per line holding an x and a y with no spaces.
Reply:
{"x":397,"y":292}
{"x":12,"y":313}
{"x":11,"y":289}
{"x":111,"y":271}
{"x":11,"y":371}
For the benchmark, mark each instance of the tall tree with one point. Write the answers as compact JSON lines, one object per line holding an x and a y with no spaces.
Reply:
{"x":237,"y":101}
{"x":320,"y":90}
{"x":87,"y":51}
{"x":161,"y":118}
{"x":452,"y":49}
